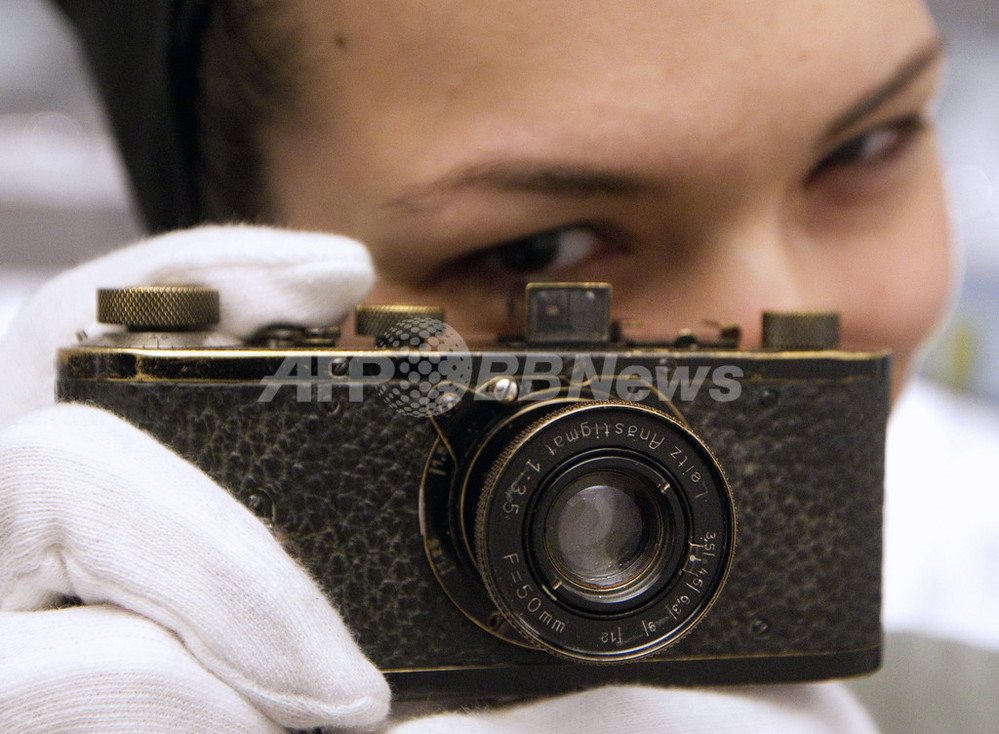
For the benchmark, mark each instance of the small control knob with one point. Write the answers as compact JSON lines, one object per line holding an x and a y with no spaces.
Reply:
{"x":378,"y":321}
{"x":800,"y":330}
{"x":159,"y":308}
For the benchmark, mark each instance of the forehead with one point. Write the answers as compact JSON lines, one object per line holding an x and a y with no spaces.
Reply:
{"x":710,"y":80}
{"x":461,"y":50}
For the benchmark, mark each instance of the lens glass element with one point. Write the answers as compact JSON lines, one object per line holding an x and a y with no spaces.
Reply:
{"x":599,"y":531}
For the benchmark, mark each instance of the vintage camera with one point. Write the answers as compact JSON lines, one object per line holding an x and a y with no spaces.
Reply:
{"x":559,"y":508}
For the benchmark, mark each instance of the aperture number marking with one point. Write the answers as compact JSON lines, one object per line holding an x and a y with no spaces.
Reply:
{"x":518,"y":489}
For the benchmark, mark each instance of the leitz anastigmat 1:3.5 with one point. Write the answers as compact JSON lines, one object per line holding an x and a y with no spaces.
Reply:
{"x":558,"y":508}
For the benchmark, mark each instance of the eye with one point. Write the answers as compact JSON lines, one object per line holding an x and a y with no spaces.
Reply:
{"x":552,"y":251}
{"x":877,"y":146}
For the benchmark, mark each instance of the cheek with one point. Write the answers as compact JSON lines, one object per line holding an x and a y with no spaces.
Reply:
{"x":896,"y":293}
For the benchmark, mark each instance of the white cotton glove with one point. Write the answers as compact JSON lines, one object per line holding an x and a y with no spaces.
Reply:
{"x":825,"y":708}
{"x":196,"y":620}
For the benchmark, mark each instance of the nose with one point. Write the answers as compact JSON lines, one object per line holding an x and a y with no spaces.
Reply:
{"x":730,"y":272}
{"x":758,"y":266}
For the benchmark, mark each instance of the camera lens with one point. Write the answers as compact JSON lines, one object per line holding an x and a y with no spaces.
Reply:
{"x":597,"y":533}
{"x":603,"y":531}
{"x":602,"y":536}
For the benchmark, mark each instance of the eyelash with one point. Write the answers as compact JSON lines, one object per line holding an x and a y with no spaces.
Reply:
{"x":876,"y":146}
{"x":551,"y":252}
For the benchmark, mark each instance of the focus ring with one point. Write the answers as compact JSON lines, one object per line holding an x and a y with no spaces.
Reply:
{"x":159,"y":308}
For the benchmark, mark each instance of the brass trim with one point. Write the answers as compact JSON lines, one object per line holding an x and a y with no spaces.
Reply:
{"x":253,"y":364}
{"x":652,"y":659}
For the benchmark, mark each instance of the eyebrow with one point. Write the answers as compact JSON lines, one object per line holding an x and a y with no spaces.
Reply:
{"x":575,"y":180}
{"x":533,"y":176}
{"x":906,"y":74}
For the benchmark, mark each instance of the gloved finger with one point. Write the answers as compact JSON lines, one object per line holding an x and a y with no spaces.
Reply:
{"x":91,"y":507}
{"x":790,"y":709}
{"x":102,"y":669}
{"x":263,"y":275}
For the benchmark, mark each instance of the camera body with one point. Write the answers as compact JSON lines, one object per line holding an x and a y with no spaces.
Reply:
{"x":560,"y":509}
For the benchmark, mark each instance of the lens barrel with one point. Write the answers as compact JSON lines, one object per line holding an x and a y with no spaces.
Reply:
{"x":603,"y":531}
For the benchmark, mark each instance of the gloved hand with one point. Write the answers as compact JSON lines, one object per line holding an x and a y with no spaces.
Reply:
{"x":195,"y":618}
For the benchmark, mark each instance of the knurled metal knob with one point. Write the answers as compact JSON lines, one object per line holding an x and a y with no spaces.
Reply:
{"x":159,"y":308}
{"x":800,"y":330}
{"x":377,"y":321}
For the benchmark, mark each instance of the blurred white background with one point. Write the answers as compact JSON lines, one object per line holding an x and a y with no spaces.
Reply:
{"x":967,"y":354}
{"x":64,"y":198}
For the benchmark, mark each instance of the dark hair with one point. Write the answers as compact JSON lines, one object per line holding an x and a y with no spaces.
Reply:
{"x":187,"y":85}
{"x":247,"y":77}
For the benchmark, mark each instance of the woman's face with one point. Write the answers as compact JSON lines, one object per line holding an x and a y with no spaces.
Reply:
{"x":709,"y":160}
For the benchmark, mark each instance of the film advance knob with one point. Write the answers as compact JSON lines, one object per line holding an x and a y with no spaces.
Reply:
{"x":800,"y":330}
{"x":159,"y":308}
